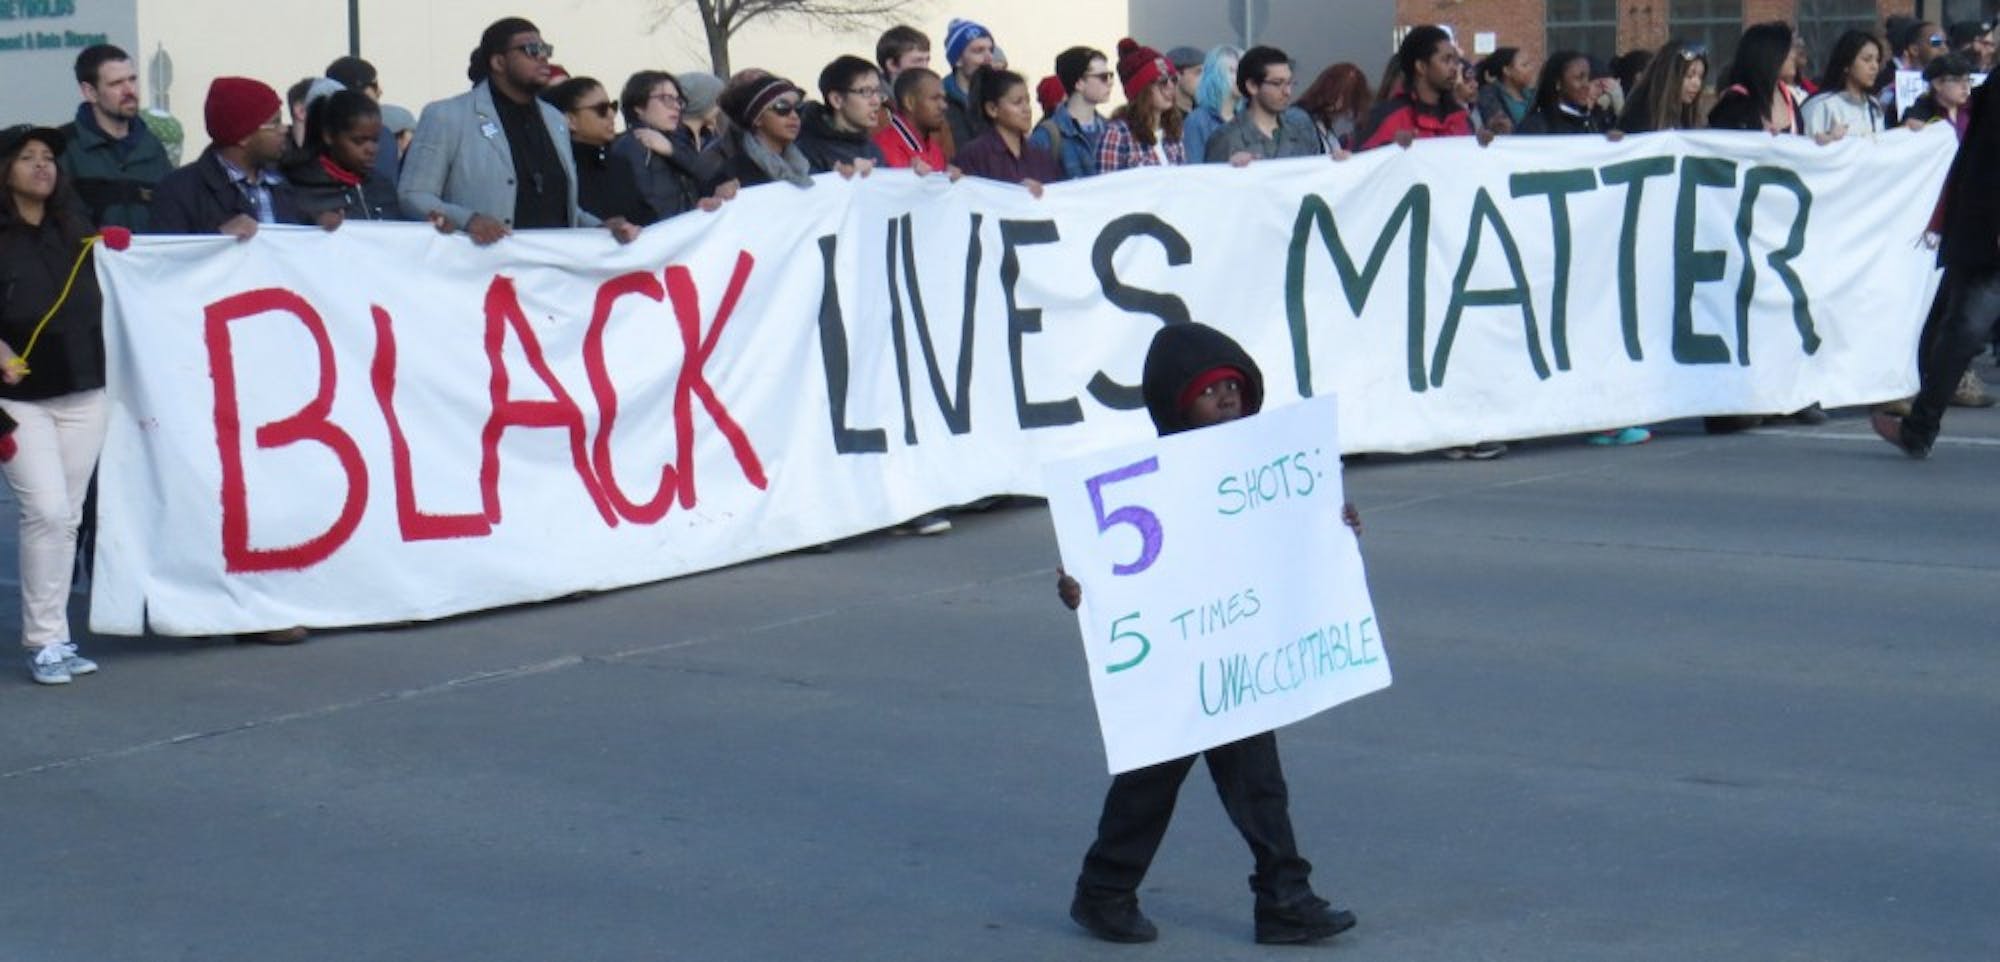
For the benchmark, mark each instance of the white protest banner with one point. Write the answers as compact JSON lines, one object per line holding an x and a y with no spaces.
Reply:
{"x":383,"y":424}
{"x":1222,"y":594}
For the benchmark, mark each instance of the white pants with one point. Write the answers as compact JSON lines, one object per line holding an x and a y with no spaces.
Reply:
{"x":58,"y":440}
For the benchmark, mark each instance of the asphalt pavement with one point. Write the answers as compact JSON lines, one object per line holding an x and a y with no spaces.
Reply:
{"x":1730,"y":698}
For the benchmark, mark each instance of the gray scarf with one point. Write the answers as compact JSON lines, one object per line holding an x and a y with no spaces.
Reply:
{"x":791,"y":168}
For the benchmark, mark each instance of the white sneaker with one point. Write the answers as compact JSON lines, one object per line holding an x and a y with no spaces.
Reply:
{"x":48,"y":666}
{"x":76,"y":664}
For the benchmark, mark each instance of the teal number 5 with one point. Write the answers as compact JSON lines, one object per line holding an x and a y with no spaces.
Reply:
{"x":1117,"y":633}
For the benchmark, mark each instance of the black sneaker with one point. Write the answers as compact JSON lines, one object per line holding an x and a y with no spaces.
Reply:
{"x":1307,"y":919}
{"x":1113,"y":919}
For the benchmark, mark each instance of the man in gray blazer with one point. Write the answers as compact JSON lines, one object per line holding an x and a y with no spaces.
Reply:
{"x":495,"y":158}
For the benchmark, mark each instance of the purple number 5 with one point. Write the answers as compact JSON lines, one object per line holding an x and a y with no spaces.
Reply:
{"x":1146,"y":522}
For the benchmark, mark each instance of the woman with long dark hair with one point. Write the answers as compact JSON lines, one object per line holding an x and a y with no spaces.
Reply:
{"x":1756,"y":99}
{"x":1668,"y":95}
{"x":1565,"y":98}
{"x":1338,"y":102}
{"x":1846,"y":103}
{"x":51,"y":314}
{"x":1752,"y":98}
{"x":1146,"y":132}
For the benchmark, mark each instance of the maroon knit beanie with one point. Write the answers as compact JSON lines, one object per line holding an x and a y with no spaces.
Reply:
{"x":236,"y":107}
{"x":1139,"y":66}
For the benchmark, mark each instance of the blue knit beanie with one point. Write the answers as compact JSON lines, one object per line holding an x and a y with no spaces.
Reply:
{"x":960,"y":35}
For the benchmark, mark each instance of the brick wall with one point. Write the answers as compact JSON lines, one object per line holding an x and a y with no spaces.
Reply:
{"x":1516,"y":23}
{"x":1519,"y":23}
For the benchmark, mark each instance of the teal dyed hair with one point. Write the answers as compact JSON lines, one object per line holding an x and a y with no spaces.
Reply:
{"x":1216,"y":85}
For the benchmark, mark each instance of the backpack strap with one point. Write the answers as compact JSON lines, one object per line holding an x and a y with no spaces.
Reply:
{"x":1055,"y":136}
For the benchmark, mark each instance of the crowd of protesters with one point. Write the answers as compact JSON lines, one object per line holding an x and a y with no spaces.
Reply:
{"x":530,"y":146}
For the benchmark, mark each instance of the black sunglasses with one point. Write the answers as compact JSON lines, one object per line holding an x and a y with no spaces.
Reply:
{"x":783,"y":108}
{"x":1695,"y":51}
{"x":604,"y":109}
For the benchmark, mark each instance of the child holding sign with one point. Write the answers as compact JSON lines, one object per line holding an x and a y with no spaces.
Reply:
{"x":1195,"y":377}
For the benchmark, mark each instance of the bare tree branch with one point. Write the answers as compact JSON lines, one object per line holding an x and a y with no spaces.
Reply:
{"x":722,"y":19}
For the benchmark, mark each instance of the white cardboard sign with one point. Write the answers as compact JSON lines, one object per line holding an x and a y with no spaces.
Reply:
{"x":1222,"y":594}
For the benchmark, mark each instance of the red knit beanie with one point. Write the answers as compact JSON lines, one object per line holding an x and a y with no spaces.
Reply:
{"x":236,"y":107}
{"x":1139,"y":66}
{"x":1050,"y":93}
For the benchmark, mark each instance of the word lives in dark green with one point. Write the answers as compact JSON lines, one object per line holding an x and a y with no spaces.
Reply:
{"x":1411,"y":219}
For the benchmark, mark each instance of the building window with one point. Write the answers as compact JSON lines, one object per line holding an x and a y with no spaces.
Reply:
{"x":1590,"y":26}
{"x":1821,"y":22}
{"x":1715,"y":24}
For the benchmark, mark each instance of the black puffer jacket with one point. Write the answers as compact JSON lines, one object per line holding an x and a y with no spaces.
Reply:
{"x":1179,"y":354}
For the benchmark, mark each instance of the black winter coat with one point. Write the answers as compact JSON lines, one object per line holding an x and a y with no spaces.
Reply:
{"x":607,"y":186}
{"x":672,"y":185}
{"x":1556,"y":120}
{"x":826,"y":146}
{"x":199,"y":199}
{"x":1972,"y":189}
{"x":34,"y":262}
{"x":315,"y":191}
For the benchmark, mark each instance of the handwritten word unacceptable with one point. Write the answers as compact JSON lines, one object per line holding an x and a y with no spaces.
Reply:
{"x":1241,"y":679}
{"x":591,"y":455}
{"x":1285,"y":478}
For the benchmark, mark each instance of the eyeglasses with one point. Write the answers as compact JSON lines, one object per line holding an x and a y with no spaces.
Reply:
{"x":604,"y":109}
{"x":1695,"y":51}
{"x":670,"y":99}
{"x":538,"y":50}
{"x":1285,"y":84}
{"x":1166,"y":80}
{"x":865,"y":93}
{"x":1937,"y":40}
{"x":784,"y":108}
{"x":1104,"y":76}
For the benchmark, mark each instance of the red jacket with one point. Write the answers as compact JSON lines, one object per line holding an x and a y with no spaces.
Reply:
{"x":1402,"y":113}
{"x":901,"y":144}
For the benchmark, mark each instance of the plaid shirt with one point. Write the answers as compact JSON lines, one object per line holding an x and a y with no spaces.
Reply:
{"x":1121,"y":150}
